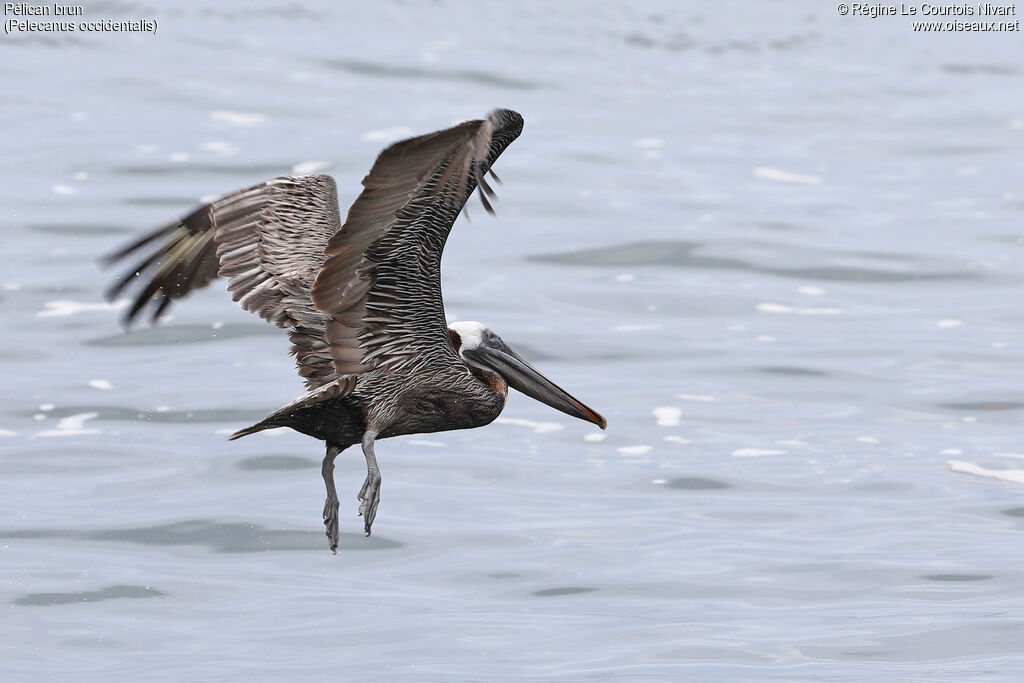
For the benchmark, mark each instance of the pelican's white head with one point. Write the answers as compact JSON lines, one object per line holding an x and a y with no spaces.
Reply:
{"x":471,"y":334}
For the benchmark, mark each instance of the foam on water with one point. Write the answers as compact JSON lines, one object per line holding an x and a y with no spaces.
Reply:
{"x":667,"y":416}
{"x":312,"y":166}
{"x":796,"y":310}
{"x":238,"y":118}
{"x":537,"y":427}
{"x":782,"y":176}
{"x":219,"y":147}
{"x":1010,"y":475}
{"x":388,"y":135}
{"x":756,"y":452}
{"x":702,"y":398}
{"x":72,"y":425}
{"x":63,"y":307}
{"x":646,"y":327}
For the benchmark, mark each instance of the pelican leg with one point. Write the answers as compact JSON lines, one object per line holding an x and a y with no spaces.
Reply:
{"x":369,"y":495}
{"x":331,"y":506}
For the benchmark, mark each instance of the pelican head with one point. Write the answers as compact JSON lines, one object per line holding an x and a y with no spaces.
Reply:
{"x":481,"y":348}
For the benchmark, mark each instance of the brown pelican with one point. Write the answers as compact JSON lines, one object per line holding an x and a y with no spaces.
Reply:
{"x":361,"y":300}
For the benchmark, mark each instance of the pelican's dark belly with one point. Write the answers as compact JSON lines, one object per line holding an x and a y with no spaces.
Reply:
{"x":429,"y":409}
{"x":339,"y":422}
{"x":420,"y":410}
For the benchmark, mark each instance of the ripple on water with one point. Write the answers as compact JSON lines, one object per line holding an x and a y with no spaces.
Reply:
{"x":696,"y":484}
{"x":182,"y":333}
{"x":954,"y":578}
{"x":919,"y":644}
{"x":406,"y":72}
{"x":764,"y":257}
{"x":77,"y":229}
{"x":219,"y":537}
{"x":981,"y":68}
{"x":276,"y":463}
{"x":76,"y":415}
{"x":791,"y":371}
{"x":191,"y":169}
{"x":994,"y":405}
{"x":107,"y":593}
{"x":564,"y":590}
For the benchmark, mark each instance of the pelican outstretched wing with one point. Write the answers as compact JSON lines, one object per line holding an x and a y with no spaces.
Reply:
{"x":354,"y":296}
{"x":268,"y":240}
{"x":381,"y":282}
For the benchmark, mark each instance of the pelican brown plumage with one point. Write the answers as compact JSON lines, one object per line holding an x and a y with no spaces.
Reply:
{"x":361,"y":300}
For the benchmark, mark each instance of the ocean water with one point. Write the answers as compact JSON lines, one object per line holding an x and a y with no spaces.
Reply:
{"x":778,"y":248}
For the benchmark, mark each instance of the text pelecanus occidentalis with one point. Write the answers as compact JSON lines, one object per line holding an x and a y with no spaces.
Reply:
{"x":361,"y":300}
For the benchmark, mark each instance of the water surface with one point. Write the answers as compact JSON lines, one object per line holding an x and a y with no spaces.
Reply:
{"x":779,"y":249}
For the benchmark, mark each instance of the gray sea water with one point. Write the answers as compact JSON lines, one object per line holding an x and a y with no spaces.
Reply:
{"x":780,"y":249}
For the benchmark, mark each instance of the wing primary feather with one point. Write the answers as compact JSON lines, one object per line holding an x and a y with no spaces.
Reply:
{"x":113,"y":257}
{"x":157,"y":284}
{"x":165,"y":301}
{"x":130,"y":276}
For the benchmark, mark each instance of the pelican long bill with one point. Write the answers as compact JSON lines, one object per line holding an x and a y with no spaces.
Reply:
{"x":524,"y":378}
